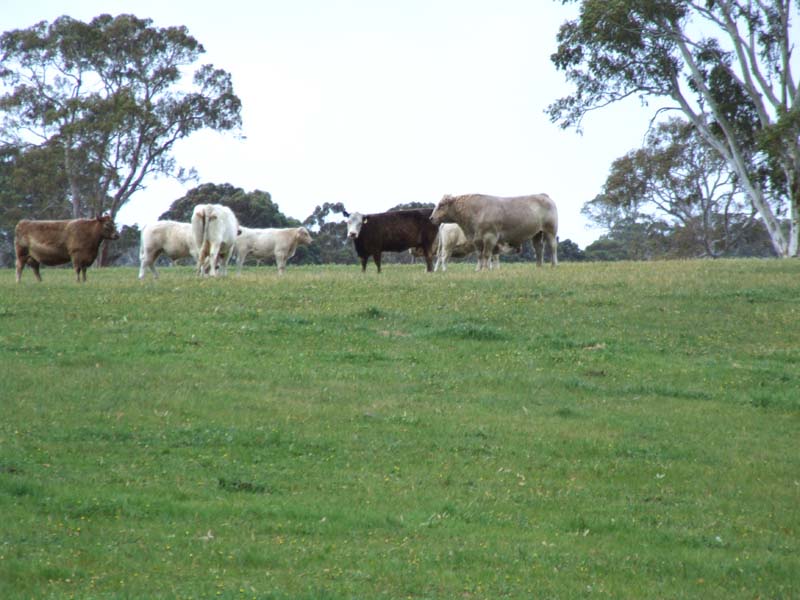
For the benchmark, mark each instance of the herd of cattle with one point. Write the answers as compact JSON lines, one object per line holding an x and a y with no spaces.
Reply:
{"x":458,"y":226}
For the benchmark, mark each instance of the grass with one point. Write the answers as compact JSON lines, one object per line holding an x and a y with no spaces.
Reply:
{"x":621,"y":430}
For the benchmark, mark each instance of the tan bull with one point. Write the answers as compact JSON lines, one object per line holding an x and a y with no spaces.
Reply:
{"x":490,"y":220}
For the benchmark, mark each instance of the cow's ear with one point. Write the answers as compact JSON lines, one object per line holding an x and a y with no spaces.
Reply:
{"x":346,"y":214}
{"x":364,"y":222}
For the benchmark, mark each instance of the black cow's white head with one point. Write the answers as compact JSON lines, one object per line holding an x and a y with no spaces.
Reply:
{"x":354,"y":223}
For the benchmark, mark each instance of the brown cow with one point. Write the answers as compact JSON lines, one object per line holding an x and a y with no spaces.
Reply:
{"x":57,"y":242}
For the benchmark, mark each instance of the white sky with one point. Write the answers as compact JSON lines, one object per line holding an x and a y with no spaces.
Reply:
{"x":376,"y":102}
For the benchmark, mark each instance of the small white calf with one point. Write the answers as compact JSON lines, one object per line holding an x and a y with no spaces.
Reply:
{"x":165,"y":237}
{"x":453,"y":243}
{"x":265,"y":244}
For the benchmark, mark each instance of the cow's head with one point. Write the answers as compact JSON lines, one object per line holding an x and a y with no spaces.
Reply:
{"x":442,"y":212}
{"x":107,"y":228}
{"x":303,"y":236}
{"x":354,"y":223}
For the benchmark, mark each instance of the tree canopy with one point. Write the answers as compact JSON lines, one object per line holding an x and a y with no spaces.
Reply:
{"x":108,"y":99}
{"x":252,"y":209}
{"x":727,"y":65}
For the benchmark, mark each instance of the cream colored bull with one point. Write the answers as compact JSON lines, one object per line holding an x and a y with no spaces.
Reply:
{"x":214,"y":228}
{"x":490,"y":220}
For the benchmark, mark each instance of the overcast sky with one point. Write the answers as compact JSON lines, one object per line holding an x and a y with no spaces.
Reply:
{"x":376,"y":102}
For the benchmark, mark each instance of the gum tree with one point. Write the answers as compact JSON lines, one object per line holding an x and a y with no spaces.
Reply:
{"x":110,"y":97}
{"x":727,"y":65}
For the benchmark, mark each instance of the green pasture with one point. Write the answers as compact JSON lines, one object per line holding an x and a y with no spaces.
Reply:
{"x":624,"y":430}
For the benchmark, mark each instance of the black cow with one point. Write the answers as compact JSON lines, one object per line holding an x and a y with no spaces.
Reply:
{"x":394,"y":231}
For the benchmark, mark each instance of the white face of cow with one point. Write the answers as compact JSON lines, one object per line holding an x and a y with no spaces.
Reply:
{"x":354,"y":223}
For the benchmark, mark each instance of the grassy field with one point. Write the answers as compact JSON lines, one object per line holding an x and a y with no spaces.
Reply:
{"x":598,"y":430}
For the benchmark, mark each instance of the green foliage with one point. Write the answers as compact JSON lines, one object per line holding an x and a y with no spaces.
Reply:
{"x":252,"y":209}
{"x":411,"y":205}
{"x":569,"y":251}
{"x":330,"y":237}
{"x":125,"y":250}
{"x":108,"y":94}
{"x":624,"y":430}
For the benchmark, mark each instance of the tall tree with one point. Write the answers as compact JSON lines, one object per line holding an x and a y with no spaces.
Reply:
{"x":726,"y":64}
{"x":109,"y":96}
{"x":678,"y":179}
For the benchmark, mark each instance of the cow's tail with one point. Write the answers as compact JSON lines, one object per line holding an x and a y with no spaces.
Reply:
{"x":141,"y":245}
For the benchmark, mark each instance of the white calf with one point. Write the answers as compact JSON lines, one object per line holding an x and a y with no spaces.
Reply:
{"x":265,"y":244}
{"x":168,"y":237}
{"x":453,"y":243}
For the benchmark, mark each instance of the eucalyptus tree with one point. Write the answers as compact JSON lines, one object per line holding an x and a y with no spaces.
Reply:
{"x":677,"y":179}
{"x":110,"y":95}
{"x":727,"y":65}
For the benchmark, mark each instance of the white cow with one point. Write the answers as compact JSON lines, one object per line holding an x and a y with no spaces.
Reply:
{"x":265,"y":244}
{"x":214,"y":228}
{"x":451,"y":242}
{"x":490,"y":220}
{"x":168,"y":237}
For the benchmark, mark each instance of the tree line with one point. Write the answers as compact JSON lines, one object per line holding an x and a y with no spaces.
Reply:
{"x":90,"y":111}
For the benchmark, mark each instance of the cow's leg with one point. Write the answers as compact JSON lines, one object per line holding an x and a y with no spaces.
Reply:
{"x":487,"y":257}
{"x":479,"y":247}
{"x":148,"y":261}
{"x":35,"y":266}
{"x":538,"y":247}
{"x":364,"y":260}
{"x":240,"y":258}
{"x":377,"y":259}
{"x":552,"y":241}
{"x":442,"y":260}
{"x":213,"y":257}
{"x":429,"y":259}
{"x":488,"y":243}
{"x":224,"y":256}
{"x":202,"y":259}
{"x":21,"y":259}
{"x":280,"y":260}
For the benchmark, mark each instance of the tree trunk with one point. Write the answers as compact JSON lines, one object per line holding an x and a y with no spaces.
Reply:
{"x":77,"y":208}
{"x":102,"y":257}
